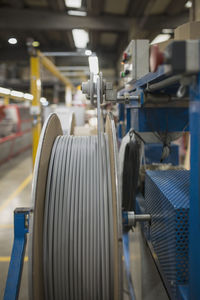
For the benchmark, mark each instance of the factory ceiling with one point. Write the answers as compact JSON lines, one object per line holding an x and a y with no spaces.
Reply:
{"x":110,"y":24}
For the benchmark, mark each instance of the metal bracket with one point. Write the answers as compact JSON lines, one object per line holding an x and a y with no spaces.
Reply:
{"x":21,"y":228}
{"x":107,"y":92}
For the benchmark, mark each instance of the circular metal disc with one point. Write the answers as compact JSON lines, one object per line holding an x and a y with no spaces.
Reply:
{"x":117,"y":214}
{"x":51,"y":129}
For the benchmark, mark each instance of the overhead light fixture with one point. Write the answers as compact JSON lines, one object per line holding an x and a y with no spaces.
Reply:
{"x":12,"y":41}
{"x":81,"y":38}
{"x":168,"y":31}
{"x":73,"y":3}
{"x":188,"y":4}
{"x":35,"y":44}
{"x":77,"y":13}
{"x":88,"y":52}
{"x":44,"y":101}
{"x":93,"y":64}
{"x":161,"y":38}
{"x":4,"y":91}
{"x":17,"y":94}
{"x":28,"y":96}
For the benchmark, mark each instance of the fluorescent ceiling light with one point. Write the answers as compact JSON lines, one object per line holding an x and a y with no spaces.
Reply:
{"x":168,"y":30}
{"x":88,"y":52}
{"x":17,"y":94}
{"x":12,"y":41}
{"x":43,"y":99}
{"x":28,"y":96}
{"x":93,"y":64}
{"x":77,"y":13}
{"x":4,"y":91}
{"x":45,"y":103}
{"x":35,"y":44}
{"x":161,"y":38}
{"x":188,"y":4}
{"x":81,"y":38}
{"x":73,"y":3}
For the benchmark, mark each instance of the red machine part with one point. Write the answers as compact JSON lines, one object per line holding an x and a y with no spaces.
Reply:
{"x":2,"y":112}
{"x":125,"y":57}
{"x":156,"y":58}
{"x":20,"y":139}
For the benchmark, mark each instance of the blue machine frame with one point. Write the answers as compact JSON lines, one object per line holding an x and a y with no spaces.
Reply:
{"x":21,"y":228}
{"x":192,"y":116}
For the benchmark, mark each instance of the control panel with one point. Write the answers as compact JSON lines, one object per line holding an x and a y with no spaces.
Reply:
{"x":135,"y":60}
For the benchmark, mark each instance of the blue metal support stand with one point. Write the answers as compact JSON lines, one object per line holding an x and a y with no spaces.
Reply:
{"x":121,"y":129}
{"x":194,"y":217}
{"x":128,"y":119}
{"x":21,"y":225}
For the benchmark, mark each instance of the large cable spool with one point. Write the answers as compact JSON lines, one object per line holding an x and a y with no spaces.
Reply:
{"x":76,"y":237}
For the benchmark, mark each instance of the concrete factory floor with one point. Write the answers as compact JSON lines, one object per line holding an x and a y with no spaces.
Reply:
{"x":15,"y":191}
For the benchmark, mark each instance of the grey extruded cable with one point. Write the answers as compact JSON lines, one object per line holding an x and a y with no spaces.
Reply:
{"x":78,"y":221}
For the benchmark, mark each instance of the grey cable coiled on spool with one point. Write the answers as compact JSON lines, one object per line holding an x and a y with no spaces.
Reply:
{"x":78,"y":221}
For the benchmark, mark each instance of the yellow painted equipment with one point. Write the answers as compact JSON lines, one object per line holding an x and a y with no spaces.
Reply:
{"x":36,"y":92}
{"x":35,"y":62}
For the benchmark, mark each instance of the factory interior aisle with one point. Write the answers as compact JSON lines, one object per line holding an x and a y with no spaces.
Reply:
{"x":15,"y":191}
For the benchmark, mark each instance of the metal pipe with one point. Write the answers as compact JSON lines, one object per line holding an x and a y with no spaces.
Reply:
{"x":47,"y":63}
{"x":143,"y":217}
{"x":164,"y":83}
{"x":65,"y":54}
{"x":130,"y":218}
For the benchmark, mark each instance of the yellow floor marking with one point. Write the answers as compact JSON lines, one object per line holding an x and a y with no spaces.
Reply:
{"x":2,"y":226}
{"x":20,"y":188}
{"x":7,"y":258}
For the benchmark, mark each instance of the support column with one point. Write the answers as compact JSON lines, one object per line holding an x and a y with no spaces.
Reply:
{"x":36,"y":108}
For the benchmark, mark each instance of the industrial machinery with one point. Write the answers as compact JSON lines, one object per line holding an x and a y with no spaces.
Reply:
{"x":167,"y":106}
{"x":15,"y":131}
{"x":76,"y":244}
{"x":158,"y":108}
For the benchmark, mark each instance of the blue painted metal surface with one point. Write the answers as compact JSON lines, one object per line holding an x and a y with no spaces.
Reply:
{"x":160,"y":74}
{"x":17,"y":256}
{"x":153,"y":153}
{"x":194,"y":240}
{"x":125,"y":218}
{"x":127,"y":265}
{"x":128,"y":119}
{"x":183,"y":292}
{"x":121,"y":129}
{"x":167,"y":200}
{"x":160,"y":119}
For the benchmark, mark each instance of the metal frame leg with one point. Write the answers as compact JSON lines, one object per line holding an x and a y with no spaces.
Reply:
{"x":21,"y":228}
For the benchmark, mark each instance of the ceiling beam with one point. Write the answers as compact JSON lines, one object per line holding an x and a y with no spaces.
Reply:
{"x":57,"y":5}
{"x":26,"y":19}
{"x":106,"y":59}
{"x":156,"y":22}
